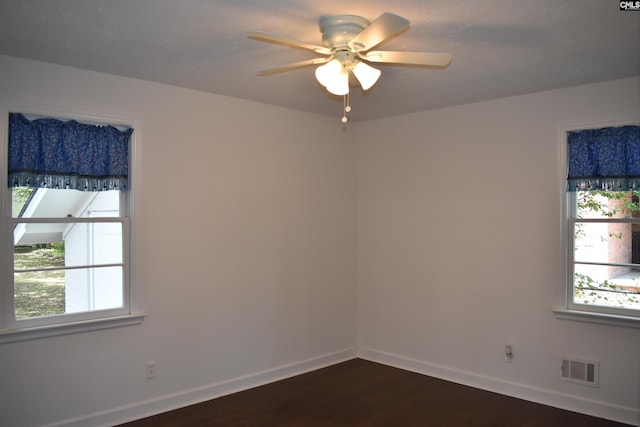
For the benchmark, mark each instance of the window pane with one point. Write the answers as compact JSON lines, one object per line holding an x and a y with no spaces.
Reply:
{"x":607,"y":286}
{"x":606,"y":242}
{"x":56,"y":203}
{"x":81,"y":243}
{"x":52,"y":292}
{"x":607,"y":204}
{"x":45,"y":282}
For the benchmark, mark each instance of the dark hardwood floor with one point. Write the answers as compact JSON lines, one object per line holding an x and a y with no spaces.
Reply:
{"x":363,"y":393}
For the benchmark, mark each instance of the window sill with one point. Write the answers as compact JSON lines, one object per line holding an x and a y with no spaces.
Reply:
{"x":26,"y":334}
{"x":601,"y":318}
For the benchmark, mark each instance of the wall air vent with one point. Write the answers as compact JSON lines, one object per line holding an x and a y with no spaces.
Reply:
{"x":580,"y":371}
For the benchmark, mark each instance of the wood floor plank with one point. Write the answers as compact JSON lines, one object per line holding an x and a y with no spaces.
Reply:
{"x":363,"y":393}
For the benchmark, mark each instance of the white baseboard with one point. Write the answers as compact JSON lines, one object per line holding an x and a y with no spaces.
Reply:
{"x":573,"y":403}
{"x":184,"y":398}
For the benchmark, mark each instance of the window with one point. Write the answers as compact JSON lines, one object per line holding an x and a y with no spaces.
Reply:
{"x":604,"y":221}
{"x":68,"y":224}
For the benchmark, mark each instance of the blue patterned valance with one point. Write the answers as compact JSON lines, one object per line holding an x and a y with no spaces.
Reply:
{"x":604,"y":159}
{"x":50,"y":153}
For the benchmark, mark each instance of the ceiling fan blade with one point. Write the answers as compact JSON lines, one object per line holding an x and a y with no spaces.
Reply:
{"x":295,"y":65}
{"x":427,"y":59}
{"x":386,"y":26}
{"x":270,"y":38}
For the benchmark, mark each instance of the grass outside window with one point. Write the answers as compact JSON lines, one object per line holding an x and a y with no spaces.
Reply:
{"x":39,"y":293}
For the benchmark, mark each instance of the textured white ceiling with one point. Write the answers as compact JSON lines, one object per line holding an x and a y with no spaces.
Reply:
{"x":500,"y":47}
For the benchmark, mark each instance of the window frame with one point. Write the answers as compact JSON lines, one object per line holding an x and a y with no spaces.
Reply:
{"x":569,"y":309}
{"x":12,"y":329}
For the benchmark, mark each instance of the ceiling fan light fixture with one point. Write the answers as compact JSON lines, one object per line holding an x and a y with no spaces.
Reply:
{"x":366,"y":75}
{"x":348,"y":43}
{"x":334,"y":77}
{"x":341,"y":85}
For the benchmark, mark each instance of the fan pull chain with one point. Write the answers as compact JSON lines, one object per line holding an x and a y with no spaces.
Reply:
{"x":347,"y":108}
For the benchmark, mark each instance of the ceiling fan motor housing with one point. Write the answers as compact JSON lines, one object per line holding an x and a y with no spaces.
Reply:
{"x":338,"y":30}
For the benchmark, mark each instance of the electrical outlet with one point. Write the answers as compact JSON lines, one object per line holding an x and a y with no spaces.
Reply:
{"x":508,"y":352}
{"x":151,"y":370}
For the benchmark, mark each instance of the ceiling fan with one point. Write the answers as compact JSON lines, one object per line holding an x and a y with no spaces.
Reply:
{"x":348,"y":41}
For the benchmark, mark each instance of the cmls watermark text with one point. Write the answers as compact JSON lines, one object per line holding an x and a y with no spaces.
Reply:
{"x":630,"y":5}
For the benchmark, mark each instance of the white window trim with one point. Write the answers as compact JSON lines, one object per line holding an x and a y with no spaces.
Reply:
{"x":594,"y":317}
{"x":568,"y":311}
{"x":36,"y":332}
{"x":12,"y":331}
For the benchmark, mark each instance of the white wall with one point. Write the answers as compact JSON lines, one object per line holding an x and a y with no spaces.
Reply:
{"x":459,"y":248}
{"x":244,"y":225}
